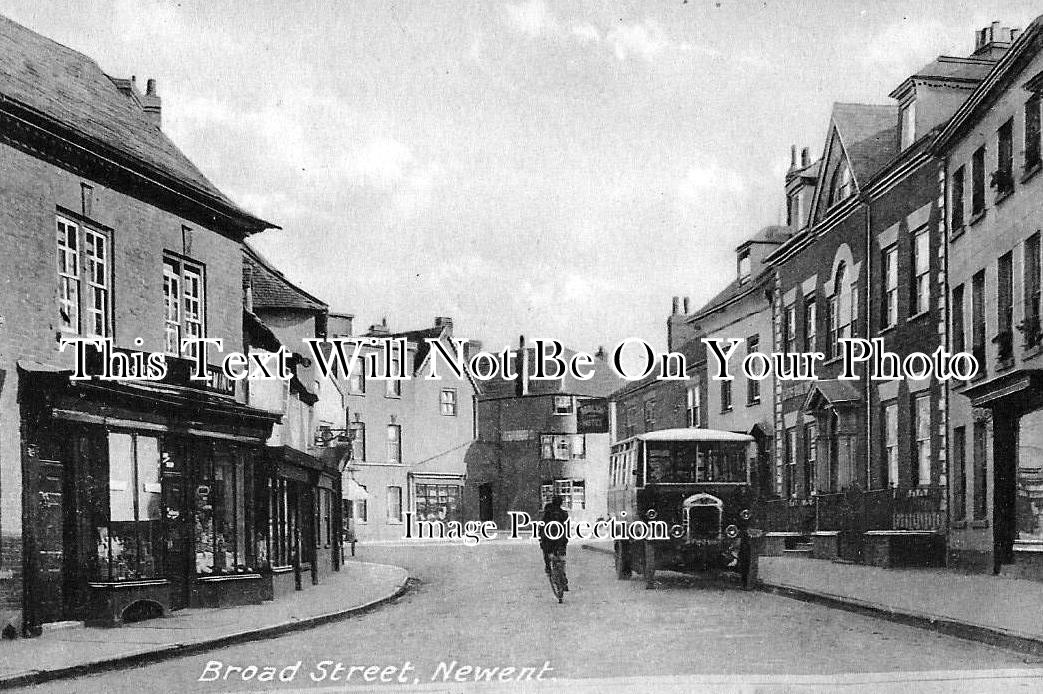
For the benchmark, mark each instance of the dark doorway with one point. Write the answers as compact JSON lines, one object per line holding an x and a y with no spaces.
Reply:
{"x":485,"y":502}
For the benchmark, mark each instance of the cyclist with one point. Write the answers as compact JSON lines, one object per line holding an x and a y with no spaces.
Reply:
{"x":554,"y":512}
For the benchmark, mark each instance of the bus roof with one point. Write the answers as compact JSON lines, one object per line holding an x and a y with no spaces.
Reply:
{"x":690,"y":434}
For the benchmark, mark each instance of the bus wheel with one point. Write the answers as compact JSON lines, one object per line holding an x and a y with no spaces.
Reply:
{"x":623,"y":567}
{"x":748,"y":564}
{"x":649,"y":566}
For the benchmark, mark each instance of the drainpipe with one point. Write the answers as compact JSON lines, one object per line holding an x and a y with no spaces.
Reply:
{"x":866,"y":384}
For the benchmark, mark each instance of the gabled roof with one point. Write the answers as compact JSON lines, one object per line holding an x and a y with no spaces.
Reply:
{"x":869,"y":133}
{"x":830,"y":393}
{"x":270,"y":287}
{"x":72,"y":92}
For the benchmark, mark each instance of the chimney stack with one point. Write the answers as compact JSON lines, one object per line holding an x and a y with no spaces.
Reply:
{"x":601,"y":354}
{"x":792,"y":157}
{"x":151,"y":103}
{"x":676,"y":306}
{"x":805,"y":158}
{"x":686,"y":306}
{"x":993,"y":41}
{"x":380,"y":329}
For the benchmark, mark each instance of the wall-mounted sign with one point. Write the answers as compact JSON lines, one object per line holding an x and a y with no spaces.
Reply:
{"x":592,"y":416}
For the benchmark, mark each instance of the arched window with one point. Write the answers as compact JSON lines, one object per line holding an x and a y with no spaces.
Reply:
{"x":841,"y":186}
{"x":841,"y":309}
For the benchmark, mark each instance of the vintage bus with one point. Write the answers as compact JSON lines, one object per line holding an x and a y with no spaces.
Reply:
{"x":683,"y":501}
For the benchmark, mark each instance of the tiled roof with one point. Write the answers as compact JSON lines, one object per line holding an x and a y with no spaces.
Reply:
{"x":773,"y":233}
{"x":420,"y":338}
{"x":271,"y":289}
{"x":870,"y":136}
{"x":70,"y":89}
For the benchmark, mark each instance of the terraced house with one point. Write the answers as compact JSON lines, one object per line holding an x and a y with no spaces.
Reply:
{"x":991,"y":153}
{"x":117,"y":499}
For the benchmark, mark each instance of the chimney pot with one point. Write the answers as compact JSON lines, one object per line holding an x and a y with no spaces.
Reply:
{"x":793,"y":156}
{"x":676,"y":305}
{"x":805,"y":157}
{"x":686,"y":305}
{"x":150,"y":87}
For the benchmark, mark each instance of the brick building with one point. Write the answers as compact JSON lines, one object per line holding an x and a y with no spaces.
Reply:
{"x":529,"y":446}
{"x":991,"y":152}
{"x":300,"y":495}
{"x":129,"y":494}
{"x":411,"y":438}
{"x":864,"y":460}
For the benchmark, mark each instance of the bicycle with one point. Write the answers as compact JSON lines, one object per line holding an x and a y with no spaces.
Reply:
{"x":559,"y":582}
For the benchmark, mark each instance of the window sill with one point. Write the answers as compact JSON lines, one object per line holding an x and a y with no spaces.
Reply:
{"x":360,"y":395}
{"x":1031,"y":172}
{"x":1005,"y":365}
{"x":446,"y":414}
{"x":753,"y":403}
{"x":833,"y":360}
{"x":979,"y":524}
{"x":390,"y":396}
{"x":726,"y":409}
{"x":917,"y":316}
{"x":129,"y":583}
{"x":977,"y":217}
{"x":959,"y":525}
{"x":887,"y":329}
{"x":1000,"y":197}
{"x":1030,"y":351}
{"x":219,"y":578}
{"x":956,"y":232}
{"x":394,"y":522}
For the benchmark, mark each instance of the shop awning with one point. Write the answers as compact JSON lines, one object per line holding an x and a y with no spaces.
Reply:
{"x":353,"y":491}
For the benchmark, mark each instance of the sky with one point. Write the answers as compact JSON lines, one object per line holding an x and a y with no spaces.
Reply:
{"x":552,"y":169}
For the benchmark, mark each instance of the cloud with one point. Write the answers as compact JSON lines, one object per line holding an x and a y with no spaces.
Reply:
{"x":586,"y":33}
{"x":531,"y":18}
{"x":645,"y":40}
{"x":711,"y":178}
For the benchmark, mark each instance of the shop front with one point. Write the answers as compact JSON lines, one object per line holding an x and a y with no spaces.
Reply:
{"x":137,"y":499}
{"x":1015,"y":401}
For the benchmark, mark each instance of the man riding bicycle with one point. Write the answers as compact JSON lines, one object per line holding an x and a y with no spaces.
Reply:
{"x":554,"y":512}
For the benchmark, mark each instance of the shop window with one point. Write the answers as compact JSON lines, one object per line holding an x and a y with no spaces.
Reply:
{"x":323,"y":518}
{"x":394,"y":504}
{"x":220,"y":505}
{"x":130,"y":530}
{"x":1029,"y":477}
{"x":84,"y":302}
{"x":284,"y":520}
{"x":184,"y":296}
{"x":440,"y":502}
{"x":447,"y":402}
{"x":573,"y":493}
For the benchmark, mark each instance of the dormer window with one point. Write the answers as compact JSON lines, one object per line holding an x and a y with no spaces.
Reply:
{"x":794,"y":215}
{"x":745,"y":266}
{"x":908,"y":124}
{"x":842,"y":185}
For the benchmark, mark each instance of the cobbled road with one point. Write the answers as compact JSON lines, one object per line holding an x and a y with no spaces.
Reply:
{"x":492,"y":606}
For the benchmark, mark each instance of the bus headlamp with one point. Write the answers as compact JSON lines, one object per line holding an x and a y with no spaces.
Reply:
{"x":746,"y":514}
{"x":731,"y":531}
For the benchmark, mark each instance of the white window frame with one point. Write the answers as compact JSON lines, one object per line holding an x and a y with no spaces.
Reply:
{"x":394,"y":497}
{"x":394,"y":444}
{"x":447,"y":405}
{"x":921,"y":271}
{"x":184,"y":296}
{"x":891,"y":441}
{"x":694,"y":406}
{"x":890,"y":268}
{"x":84,"y":267}
{"x":922,"y":443}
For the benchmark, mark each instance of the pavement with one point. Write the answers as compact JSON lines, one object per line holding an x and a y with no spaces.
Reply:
{"x":72,"y":652}
{"x":995,"y":610}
